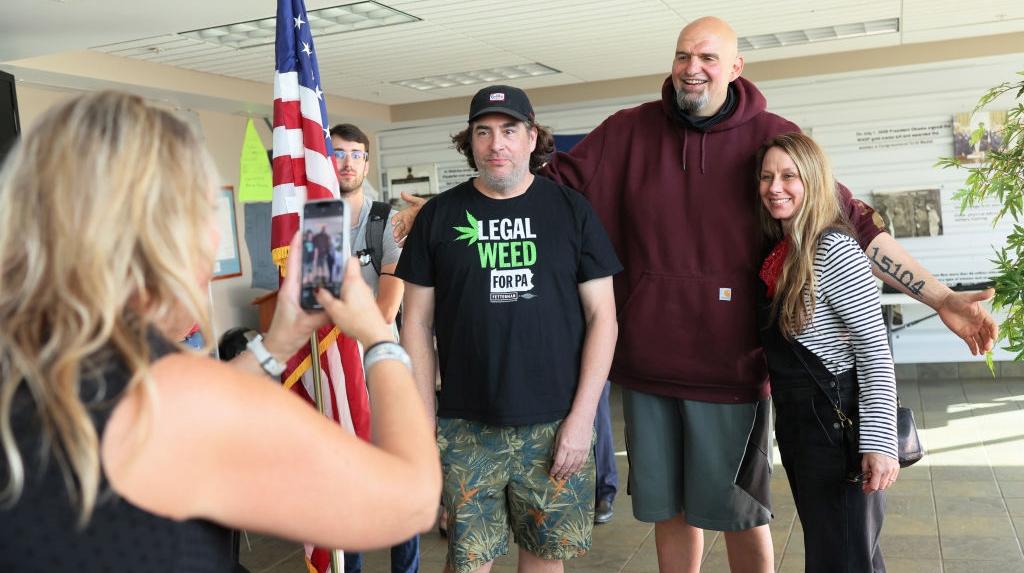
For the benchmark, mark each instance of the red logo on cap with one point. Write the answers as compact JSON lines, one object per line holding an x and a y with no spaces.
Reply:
{"x":498,"y":97}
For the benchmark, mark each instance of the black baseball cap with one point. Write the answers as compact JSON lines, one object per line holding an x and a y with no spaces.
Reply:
{"x":501,"y":99}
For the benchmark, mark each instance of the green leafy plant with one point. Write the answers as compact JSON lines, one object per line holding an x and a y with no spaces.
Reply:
{"x":1001,"y":177}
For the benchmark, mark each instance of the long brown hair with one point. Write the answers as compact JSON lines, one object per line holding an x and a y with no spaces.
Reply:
{"x":820,"y":211}
{"x":105,"y":211}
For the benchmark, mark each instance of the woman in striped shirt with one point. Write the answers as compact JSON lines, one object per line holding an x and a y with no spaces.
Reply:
{"x":822,"y":330}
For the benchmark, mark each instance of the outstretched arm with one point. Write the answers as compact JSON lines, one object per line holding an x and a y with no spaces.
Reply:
{"x":225,"y":445}
{"x":961,"y":312}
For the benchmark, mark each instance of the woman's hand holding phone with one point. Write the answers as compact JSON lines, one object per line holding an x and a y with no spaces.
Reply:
{"x":291,"y":326}
{"x":356,"y":312}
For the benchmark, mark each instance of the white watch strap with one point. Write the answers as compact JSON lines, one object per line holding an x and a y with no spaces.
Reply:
{"x":270,"y":365}
{"x":386,"y":351}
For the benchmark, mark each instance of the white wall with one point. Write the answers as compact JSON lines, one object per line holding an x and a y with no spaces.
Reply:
{"x":232,"y":297}
{"x":834,"y":108}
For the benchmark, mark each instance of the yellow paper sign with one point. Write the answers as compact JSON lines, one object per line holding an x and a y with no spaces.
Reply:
{"x":255,"y":180}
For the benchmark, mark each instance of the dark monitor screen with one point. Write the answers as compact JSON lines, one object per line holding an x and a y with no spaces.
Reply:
{"x":10,"y":125}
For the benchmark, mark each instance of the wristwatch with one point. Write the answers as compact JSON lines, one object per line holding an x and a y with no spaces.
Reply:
{"x":386,"y":351}
{"x":270,"y":365}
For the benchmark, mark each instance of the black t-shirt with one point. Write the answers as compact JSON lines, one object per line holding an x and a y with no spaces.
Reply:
{"x":507,"y":311}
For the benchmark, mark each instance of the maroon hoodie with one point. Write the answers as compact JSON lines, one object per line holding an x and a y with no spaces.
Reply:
{"x":680,"y":207}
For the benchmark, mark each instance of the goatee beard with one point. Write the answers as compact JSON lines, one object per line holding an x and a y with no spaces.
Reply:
{"x":502,"y":184}
{"x":690,"y":105}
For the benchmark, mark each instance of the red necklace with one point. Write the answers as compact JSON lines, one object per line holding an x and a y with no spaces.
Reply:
{"x":772,"y":266}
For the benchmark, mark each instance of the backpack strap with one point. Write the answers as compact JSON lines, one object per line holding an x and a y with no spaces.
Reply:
{"x":379,"y":212}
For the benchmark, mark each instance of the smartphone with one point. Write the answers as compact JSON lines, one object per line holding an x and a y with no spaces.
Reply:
{"x":326,"y":247}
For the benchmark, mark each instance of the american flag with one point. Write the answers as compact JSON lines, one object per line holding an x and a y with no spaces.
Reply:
{"x":304,"y":168}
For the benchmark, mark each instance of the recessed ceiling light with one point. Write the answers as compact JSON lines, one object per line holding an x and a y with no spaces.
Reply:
{"x":487,"y":75}
{"x":810,"y":35}
{"x":323,"y":22}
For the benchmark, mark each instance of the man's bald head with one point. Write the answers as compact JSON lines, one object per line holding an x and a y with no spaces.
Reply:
{"x":706,"y":60}
{"x":711,"y":26}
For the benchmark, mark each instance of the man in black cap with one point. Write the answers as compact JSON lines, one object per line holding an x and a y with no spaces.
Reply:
{"x":512,"y":272}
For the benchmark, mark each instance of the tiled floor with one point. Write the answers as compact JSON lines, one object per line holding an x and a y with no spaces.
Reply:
{"x":959,"y":510}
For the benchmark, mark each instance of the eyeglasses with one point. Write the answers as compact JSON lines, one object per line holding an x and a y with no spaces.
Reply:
{"x":356,"y":155}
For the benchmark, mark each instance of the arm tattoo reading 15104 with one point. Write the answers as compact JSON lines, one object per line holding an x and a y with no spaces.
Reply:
{"x":896,"y":271}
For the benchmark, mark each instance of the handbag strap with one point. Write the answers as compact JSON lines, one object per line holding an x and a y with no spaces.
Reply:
{"x":836,"y":407}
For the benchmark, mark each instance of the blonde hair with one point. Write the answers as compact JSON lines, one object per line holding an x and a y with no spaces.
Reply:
{"x":105,"y":208}
{"x":820,"y":210}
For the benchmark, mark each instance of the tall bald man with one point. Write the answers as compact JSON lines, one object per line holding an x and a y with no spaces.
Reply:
{"x":673,"y":182}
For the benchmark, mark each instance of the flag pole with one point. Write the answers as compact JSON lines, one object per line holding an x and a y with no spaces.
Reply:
{"x":318,"y":395}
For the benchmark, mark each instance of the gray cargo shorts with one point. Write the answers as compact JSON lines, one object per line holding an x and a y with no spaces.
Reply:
{"x":710,"y":462}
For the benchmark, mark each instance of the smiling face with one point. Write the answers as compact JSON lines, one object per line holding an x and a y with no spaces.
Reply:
{"x":706,"y":60}
{"x":781,"y":188}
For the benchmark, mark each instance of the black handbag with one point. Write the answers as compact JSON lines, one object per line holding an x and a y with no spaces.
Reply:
{"x":908,"y":443}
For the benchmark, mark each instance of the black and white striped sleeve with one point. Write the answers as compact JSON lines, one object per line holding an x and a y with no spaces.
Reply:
{"x":847,"y":288}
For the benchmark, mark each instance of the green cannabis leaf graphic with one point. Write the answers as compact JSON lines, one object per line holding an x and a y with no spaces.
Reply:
{"x":468,"y":233}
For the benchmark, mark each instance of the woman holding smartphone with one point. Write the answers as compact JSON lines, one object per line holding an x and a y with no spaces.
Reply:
{"x":120,"y":449}
{"x":822,"y":331}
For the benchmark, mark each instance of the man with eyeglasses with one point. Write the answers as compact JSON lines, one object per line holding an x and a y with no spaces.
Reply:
{"x":378,"y":257}
{"x":373,"y":242}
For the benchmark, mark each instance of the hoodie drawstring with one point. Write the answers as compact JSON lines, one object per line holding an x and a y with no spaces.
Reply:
{"x":685,"y":132}
{"x":703,"y":136}
{"x":686,"y":140}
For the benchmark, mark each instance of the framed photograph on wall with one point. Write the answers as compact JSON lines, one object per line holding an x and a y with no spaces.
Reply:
{"x":227,"y":262}
{"x":976,"y":134}
{"x":418,"y":180}
{"x":910,"y":212}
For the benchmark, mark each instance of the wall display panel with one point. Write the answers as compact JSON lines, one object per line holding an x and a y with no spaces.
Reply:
{"x":890,"y":164}
{"x":451,"y":174}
